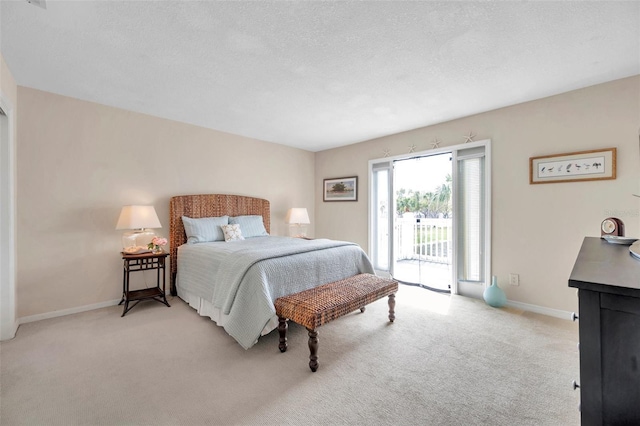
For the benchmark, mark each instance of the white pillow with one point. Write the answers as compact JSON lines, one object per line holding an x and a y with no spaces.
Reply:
{"x":232,"y":232}
{"x":204,"y":229}
{"x":252,"y":225}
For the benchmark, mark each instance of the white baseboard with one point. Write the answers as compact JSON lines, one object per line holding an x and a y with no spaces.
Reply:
{"x":63,"y":312}
{"x":510,"y":303}
{"x":539,"y":309}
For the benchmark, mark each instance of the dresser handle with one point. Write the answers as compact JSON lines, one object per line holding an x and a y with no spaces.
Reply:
{"x":574,"y":316}
{"x":575,"y":385}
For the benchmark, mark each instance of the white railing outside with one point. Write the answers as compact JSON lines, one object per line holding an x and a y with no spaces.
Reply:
{"x":423,"y":239}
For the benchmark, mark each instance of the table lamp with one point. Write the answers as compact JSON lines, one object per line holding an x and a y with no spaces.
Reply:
{"x":138,"y":220}
{"x":298,"y":219}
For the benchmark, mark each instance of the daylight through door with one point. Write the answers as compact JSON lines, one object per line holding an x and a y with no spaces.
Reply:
{"x":430,"y":218}
{"x":423,"y":221}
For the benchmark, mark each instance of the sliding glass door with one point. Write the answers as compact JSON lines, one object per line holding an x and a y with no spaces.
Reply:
{"x":462,"y":201}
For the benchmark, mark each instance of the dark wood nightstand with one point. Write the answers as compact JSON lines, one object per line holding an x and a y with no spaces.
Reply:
{"x":143,"y":262}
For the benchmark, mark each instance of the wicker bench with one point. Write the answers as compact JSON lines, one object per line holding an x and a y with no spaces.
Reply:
{"x":317,"y":306}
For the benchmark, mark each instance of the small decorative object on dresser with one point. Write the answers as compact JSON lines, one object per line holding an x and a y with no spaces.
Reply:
{"x":493,"y":295}
{"x":612,"y":226}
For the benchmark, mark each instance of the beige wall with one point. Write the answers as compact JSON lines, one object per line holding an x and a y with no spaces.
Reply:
{"x":537,"y":229}
{"x":80,"y":162}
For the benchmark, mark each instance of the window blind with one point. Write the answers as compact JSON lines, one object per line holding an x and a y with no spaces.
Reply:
{"x":471,"y":215}
{"x":382,"y":215}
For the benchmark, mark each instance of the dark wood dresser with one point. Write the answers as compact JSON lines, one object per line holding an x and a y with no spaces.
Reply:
{"x":607,"y":277}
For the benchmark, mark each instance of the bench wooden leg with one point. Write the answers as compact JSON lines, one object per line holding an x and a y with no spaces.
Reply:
{"x":282,"y":330}
{"x":392,"y":306}
{"x":313,"y":350}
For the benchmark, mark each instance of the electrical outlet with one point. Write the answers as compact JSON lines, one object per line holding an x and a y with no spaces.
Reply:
{"x":514,"y":279}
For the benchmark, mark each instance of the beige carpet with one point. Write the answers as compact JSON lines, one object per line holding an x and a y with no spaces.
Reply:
{"x":445,"y":361}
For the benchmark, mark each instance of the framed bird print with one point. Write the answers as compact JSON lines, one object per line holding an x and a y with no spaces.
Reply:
{"x":597,"y":164}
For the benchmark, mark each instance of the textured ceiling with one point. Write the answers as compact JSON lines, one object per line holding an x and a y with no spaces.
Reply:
{"x":317,"y":75}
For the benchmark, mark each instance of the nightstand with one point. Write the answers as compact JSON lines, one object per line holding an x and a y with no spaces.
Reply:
{"x":143,"y":262}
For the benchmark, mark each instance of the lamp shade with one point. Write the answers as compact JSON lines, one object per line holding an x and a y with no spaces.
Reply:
{"x":138,"y":217}
{"x":298,"y":215}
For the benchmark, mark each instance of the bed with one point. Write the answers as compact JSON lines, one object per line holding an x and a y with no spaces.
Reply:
{"x":236,"y":283}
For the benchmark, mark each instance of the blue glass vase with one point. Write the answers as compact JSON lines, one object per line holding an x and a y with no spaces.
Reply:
{"x":493,"y":295}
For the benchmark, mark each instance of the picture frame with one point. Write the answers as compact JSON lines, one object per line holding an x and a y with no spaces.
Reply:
{"x":597,"y":164}
{"x":340,"y":189}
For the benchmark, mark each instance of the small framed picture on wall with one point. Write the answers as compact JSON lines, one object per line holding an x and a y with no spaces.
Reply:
{"x":598,"y":164}
{"x":340,"y":189}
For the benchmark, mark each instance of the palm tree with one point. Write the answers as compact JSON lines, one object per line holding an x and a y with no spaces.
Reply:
{"x":402,"y":202}
{"x":443,"y":196}
{"x":430,"y":204}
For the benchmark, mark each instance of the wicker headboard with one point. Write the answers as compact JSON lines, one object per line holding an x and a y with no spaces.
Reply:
{"x":208,"y":205}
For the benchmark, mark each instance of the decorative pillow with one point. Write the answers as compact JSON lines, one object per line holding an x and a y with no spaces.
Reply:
{"x":232,"y":232}
{"x":252,"y":225}
{"x":204,"y":229}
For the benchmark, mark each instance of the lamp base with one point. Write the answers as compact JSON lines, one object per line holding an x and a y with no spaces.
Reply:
{"x":137,"y":238}
{"x":297,"y":231}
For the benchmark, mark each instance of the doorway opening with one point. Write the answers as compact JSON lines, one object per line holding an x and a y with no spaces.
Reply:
{"x":430,"y":218}
{"x":423,"y":222}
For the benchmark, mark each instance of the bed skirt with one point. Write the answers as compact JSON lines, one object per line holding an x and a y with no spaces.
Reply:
{"x":206,"y":309}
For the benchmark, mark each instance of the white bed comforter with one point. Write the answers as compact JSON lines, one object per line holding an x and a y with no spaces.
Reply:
{"x":242,"y":279}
